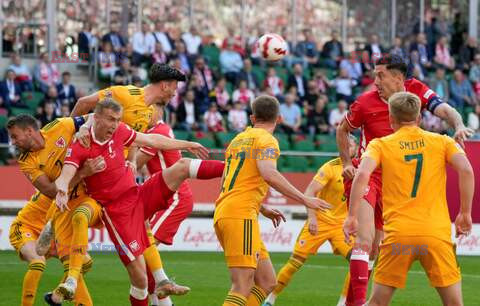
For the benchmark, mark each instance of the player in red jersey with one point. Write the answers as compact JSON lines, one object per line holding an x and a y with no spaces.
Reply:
{"x":165,"y":223}
{"x":370,"y":113}
{"x":126,"y":206}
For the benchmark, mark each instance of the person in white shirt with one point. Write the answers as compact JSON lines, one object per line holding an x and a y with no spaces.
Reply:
{"x":192,"y":41}
{"x":237,"y":118}
{"x":474,"y":121}
{"x":161,"y":36}
{"x":143,"y":45}
{"x":344,"y":86}
{"x":23,"y":74}
{"x":213,"y":119}
{"x":337,"y":114}
{"x":291,"y":115}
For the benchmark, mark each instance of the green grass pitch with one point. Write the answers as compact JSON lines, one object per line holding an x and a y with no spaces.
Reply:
{"x":318,"y":283}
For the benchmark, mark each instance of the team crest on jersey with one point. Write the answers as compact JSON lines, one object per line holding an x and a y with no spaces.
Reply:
{"x":302,"y":242}
{"x":69,"y":152}
{"x":61,"y":143}
{"x":134,"y":246}
{"x":108,"y":93}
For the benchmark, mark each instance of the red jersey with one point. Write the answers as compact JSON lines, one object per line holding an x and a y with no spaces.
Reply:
{"x":107,"y":185}
{"x":370,"y":112}
{"x":164,"y":159}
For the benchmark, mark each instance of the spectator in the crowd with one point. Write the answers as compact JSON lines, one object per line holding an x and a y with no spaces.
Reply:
{"x":192,"y":40}
{"x":124,"y":75}
{"x":332,"y":51}
{"x":313,"y":93}
{"x":10,"y":91}
{"x":298,"y":80}
{"x":161,"y":36}
{"x":421,"y":46}
{"x":366,"y":61}
{"x":65,"y":110}
{"x":181,"y":53}
{"x":86,"y":41}
{"x":344,"y":86}
{"x":461,"y":91}
{"x":46,"y":73}
{"x":473,"y":120}
{"x":143,"y":45}
{"x":203,"y":73}
{"x":116,"y":40}
{"x":321,"y":82}
{"x":432,"y":123}
{"x":416,"y":64}
{"x":221,"y":95}
{"x":352,"y":66}
{"x":213,"y":120}
{"x":337,"y":114}
{"x":159,"y":56}
{"x":107,"y":60}
{"x":442,"y":54}
{"x":52,"y":97}
{"x":137,"y":81}
{"x":236,"y":41}
{"x":374,"y":48}
{"x":307,"y":48}
{"x":188,"y":117}
{"x":230,"y":62}
{"x":439,"y":84}
{"x":474,"y":75}
{"x":243,"y":95}
{"x":201,"y":99}
{"x":367,"y":82}
{"x":398,"y":49}
{"x":3,"y":110}
{"x":23,"y":74}
{"x":291,"y":115}
{"x":66,"y":91}
{"x":274,"y":82}
{"x":181,"y":86}
{"x":459,"y":27}
{"x":48,"y":114}
{"x":237,"y":118}
{"x":467,"y":53}
{"x":247,"y":74}
{"x":317,"y":118}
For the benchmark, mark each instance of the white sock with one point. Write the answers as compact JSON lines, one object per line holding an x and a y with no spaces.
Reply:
{"x":159,"y":275}
{"x":370,"y":265}
{"x":165,"y":302}
{"x":71,"y":280}
{"x":342,"y":300}
{"x":139,"y":294}
{"x":194,"y":166}
{"x":270,"y":298}
{"x":153,"y":299}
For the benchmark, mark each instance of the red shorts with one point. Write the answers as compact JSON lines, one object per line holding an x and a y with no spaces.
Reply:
{"x":165,"y":222}
{"x":373,"y":195}
{"x":125,"y":217}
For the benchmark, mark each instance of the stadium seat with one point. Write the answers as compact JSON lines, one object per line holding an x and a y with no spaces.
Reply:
{"x":3,"y":121}
{"x":329,"y":147}
{"x":259,"y":72}
{"x":207,"y":142}
{"x":296,"y":164}
{"x":284,"y":144}
{"x":304,"y":145}
{"x":182,"y":135}
{"x":282,"y":73}
{"x":15,"y":111}
{"x":212,"y":55}
{"x":224,"y":138}
{"x":32,"y":99}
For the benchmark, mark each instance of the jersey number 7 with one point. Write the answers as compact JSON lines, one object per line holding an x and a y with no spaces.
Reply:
{"x":418,"y":171}
{"x":241,"y":156}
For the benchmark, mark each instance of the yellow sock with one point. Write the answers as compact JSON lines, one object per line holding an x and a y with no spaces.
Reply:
{"x":31,"y":280}
{"x":346,"y":284}
{"x":87,"y":264}
{"x":234,"y":299}
{"x":82,"y":296}
{"x":256,"y":297}
{"x":79,"y":241}
{"x":286,"y":273}
{"x":151,"y":254}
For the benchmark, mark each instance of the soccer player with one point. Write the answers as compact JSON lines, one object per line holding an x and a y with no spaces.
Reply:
{"x":320,"y":226}
{"x":370,"y":113}
{"x":250,"y":168}
{"x":417,"y":222}
{"x":43,"y":152}
{"x":126,"y":205}
{"x":164,"y":224}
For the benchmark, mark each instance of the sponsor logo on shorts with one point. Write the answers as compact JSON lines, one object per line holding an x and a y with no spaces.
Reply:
{"x":134,"y":246}
{"x":409,"y":249}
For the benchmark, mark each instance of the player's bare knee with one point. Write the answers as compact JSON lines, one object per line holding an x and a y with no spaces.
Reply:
{"x":184,"y":166}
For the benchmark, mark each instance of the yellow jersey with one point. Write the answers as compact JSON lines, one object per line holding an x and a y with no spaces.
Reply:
{"x":136,"y":113}
{"x":414,"y":175}
{"x":330,"y":177}
{"x":243,"y":187}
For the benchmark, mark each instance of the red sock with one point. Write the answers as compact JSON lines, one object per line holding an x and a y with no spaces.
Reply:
{"x":206,"y":169}
{"x":135,"y":302}
{"x":151,"y":282}
{"x":349,"y":300}
{"x":359,"y":277}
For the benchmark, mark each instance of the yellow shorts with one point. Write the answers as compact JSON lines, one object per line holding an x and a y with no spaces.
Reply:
{"x":241,"y":242}
{"x":62,"y":222}
{"x":29,"y":222}
{"x":308,"y":244}
{"x":436,"y":256}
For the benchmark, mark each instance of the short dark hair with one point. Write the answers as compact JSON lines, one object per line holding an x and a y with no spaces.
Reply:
{"x":107,"y":103}
{"x":66,"y":73}
{"x":393,"y":62}
{"x":23,"y":121}
{"x":163,"y":72}
{"x":265,"y":108}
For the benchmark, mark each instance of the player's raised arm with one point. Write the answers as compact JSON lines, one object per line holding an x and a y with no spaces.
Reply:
{"x":161,"y":142}
{"x":454,"y":119}
{"x":268,"y":170}
{"x":343,"y":144}
{"x":85,"y":104}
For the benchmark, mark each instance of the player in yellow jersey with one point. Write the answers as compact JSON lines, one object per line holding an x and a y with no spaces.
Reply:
{"x":320,"y":226}
{"x":416,"y":218}
{"x":139,"y":109}
{"x":41,"y":161}
{"x":251,"y":166}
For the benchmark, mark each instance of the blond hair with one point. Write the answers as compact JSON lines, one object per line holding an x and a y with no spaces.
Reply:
{"x":404,"y":106}
{"x":107,"y":103}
